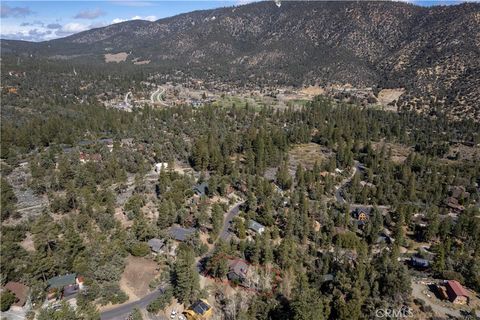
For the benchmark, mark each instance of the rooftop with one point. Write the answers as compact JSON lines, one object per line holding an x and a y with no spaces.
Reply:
{"x":457,"y":288}
{"x":62,"y":281}
{"x":19,"y":290}
{"x":254,"y":225}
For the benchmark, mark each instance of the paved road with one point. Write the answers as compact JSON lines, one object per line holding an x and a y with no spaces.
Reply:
{"x":339,"y":189}
{"x":156,"y":97}
{"x":123,"y":311}
{"x":126,"y":98}
{"x":225,"y":233}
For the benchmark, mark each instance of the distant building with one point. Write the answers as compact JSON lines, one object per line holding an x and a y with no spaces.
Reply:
{"x":361,"y":214}
{"x":237,"y":270}
{"x":201,"y":189}
{"x":453,"y":204}
{"x":65,"y":286}
{"x":200,"y":310}
{"x":255,"y":226}
{"x":20,"y":291}
{"x":108,"y":143}
{"x":456,"y":293}
{"x":156,"y":245}
{"x":419,"y":262}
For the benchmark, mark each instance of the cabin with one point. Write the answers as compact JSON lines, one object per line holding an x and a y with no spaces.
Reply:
{"x":66,"y":286}
{"x":361,"y":214}
{"x":200,"y":310}
{"x":108,"y":142}
{"x":201,"y":189}
{"x":420,"y":263}
{"x":20,"y":291}
{"x":453,"y":204}
{"x":255,"y":226}
{"x":456,"y":292}
{"x":156,"y":245}
{"x":237,"y":270}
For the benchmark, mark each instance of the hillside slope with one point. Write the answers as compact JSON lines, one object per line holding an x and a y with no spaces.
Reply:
{"x":432,"y":52}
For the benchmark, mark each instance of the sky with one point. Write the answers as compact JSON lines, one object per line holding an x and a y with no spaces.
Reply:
{"x":46,"y":20}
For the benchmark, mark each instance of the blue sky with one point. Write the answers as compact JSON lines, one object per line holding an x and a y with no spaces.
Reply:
{"x":45,"y":20}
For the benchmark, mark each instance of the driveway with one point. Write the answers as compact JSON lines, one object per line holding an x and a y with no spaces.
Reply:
{"x":418,"y":290}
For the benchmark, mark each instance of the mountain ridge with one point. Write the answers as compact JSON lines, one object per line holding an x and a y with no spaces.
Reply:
{"x":431,"y":51}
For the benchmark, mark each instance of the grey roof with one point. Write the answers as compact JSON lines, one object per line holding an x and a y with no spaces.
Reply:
{"x":419,"y":262}
{"x":156,"y":244}
{"x":328,"y":277}
{"x":181,"y":234}
{"x":201,"y":188}
{"x":106,"y":140}
{"x":62,"y":281}
{"x":255,"y":226}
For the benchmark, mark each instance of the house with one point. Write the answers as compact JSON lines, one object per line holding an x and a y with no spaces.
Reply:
{"x":237,"y":270}
{"x":255,"y":226}
{"x":328,"y":277}
{"x":456,"y":292}
{"x":65,"y":286}
{"x":20,"y":291}
{"x":156,"y":245}
{"x":361,"y":214}
{"x":200,"y":310}
{"x":453,"y":204}
{"x":201,"y":189}
{"x":181,"y":234}
{"x":418,"y":262}
{"x":108,"y":143}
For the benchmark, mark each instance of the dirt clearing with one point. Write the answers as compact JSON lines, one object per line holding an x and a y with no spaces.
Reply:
{"x":307,"y":154}
{"x":116,"y":57}
{"x":399,"y":152}
{"x":138,"y":274}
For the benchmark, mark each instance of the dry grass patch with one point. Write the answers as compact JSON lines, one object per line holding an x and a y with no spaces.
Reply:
{"x":136,"y":277}
{"x":307,"y":154}
{"x":313,"y":91}
{"x":386,"y":96}
{"x":116,"y":57}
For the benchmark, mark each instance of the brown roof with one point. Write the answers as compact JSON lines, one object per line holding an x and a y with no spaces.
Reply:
{"x":20,"y":290}
{"x":456,"y":288}
{"x":239,"y":267}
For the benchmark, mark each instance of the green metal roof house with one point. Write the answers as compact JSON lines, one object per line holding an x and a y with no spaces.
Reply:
{"x":59,"y":282}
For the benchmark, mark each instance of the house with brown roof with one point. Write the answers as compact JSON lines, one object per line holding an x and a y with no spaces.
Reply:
{"x":453,"y":204}
{"x":456,"y":292}
{"x":237,"y":270}
{"x":20,"y":291}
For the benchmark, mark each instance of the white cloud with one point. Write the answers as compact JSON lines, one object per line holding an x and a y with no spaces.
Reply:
{"x":148,"y":18}
{"x":74,"y":27}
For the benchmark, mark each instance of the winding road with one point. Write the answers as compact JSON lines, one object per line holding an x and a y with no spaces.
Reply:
{"x":123,"y":311}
